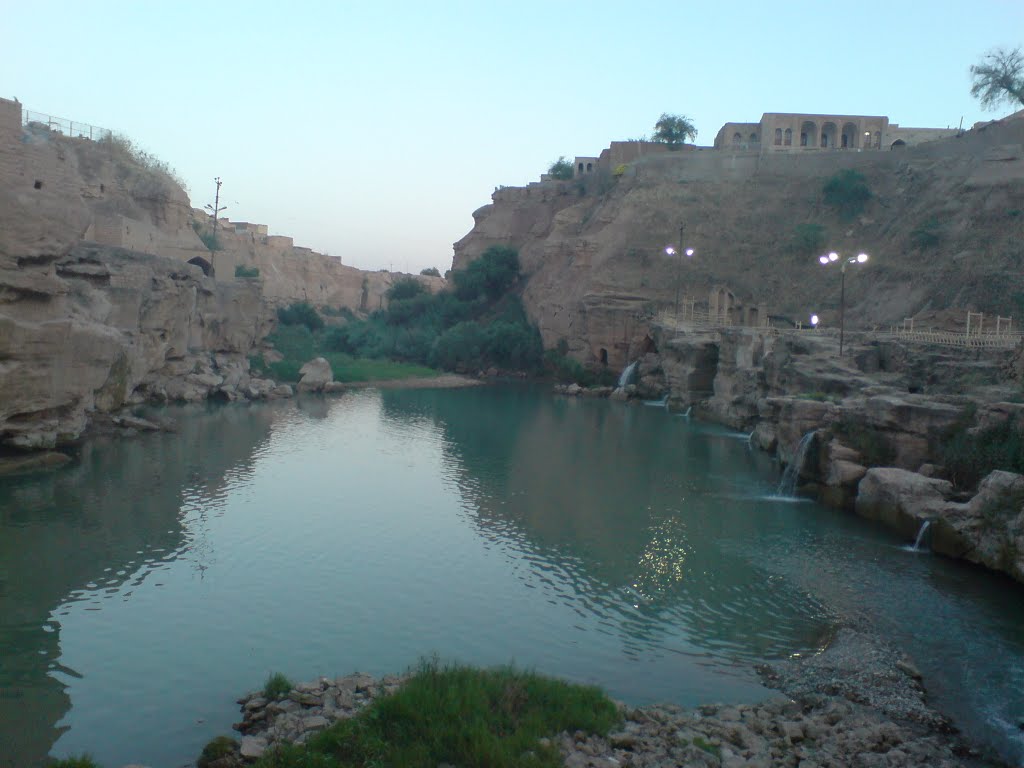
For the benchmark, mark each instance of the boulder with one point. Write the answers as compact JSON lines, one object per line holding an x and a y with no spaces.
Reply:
{"x":901,"y":499}
{"x":315,"y":375}
{"x":989,"y":529}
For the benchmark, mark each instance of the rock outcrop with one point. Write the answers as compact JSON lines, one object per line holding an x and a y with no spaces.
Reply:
{"x":87,"y":329}
{"x":594,"y":248}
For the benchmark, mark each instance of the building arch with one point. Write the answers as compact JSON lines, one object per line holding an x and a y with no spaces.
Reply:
{"x":753,"y":138}
{"x":203,"y":264}
{"x":809,"y":134}
{"x":878,"y":139}
{"x":829,"y":134}
{"x":849,"y":137}
{"x":898,"y":144}
{"x":778,"y":137}
{"x":788,"y":137}
{"x":580,"y":168}
{"x":590,"y":167}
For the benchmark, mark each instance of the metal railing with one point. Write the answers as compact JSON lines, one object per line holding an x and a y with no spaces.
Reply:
{"x":72,"y":128}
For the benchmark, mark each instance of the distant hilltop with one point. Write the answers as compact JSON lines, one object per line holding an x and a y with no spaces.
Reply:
{"x":780,"y":132}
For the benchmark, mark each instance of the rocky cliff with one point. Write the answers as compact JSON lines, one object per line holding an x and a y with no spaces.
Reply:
{"x":944,"y":229}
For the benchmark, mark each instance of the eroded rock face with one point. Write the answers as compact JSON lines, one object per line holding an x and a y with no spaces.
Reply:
{"x":902,"y":500}
{"x":111,"y":328}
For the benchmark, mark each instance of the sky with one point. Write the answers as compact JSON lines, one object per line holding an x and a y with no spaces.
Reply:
{"x":372,"y":130}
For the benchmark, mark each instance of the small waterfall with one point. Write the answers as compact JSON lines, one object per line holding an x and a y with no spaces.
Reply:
{"x":663,"y":403}
{"x":687,"y":414}
{"x":920,"y":535}
{"x":787,"y":486}
{"x":627,"y":374}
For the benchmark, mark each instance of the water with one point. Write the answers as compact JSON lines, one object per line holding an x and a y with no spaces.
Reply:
{"x":143,"y":589}
{"x":663,"y":403}
{"x":920,"y":535}
{"x":627,"y":374}
{"x":791,"y":475}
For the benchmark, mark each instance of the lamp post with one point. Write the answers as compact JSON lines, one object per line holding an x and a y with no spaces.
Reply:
{"x":679,"y":267}
{"x":830,"y":258}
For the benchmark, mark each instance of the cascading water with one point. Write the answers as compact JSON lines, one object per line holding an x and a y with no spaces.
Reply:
{"x":687,"y":414}
{"x":920,"y":535}
{"x":627,"y":374}
{"x":663,"y":403}
{"x":787,"y":486}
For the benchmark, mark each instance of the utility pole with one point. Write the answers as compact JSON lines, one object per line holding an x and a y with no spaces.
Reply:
{"x":215,"y":210}
{"x":679,"y":268}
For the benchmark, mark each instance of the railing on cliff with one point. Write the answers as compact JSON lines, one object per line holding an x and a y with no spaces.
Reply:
{"x":72,"y":128}
{"x":955,"y":339}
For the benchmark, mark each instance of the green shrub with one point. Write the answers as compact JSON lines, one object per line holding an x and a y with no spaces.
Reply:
{"x":277,"y":686}
{"x":927,"y":235}
{"x":808,"y":239}
{"x":458,"y":716}
{"x":847,"y":192}
{"x":82,"y":761}
{"x":300,"y":313}
{"x":431,"y":272}
{"x":873,"y":446}
{"x":969,"y":455}
{"x":215,"y":749}
{"x":405,"y":288}
{"x":210,"y":241}
{"x":247,"y":273}
{"x":489,"y":276}
{"x":561,"y":169}
{"x":620,"y":170}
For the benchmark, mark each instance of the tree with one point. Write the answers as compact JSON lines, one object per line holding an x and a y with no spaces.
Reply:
{"x":999,"y":78}
{"x":561,"y":169}
{"x":431,"y":272}
{"x":674,"y":130}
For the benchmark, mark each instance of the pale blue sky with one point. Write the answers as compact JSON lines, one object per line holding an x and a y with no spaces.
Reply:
{"x":373,"y":130}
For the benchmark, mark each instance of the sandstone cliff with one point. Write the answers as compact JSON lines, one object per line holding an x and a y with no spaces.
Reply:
{"x":944,"y":229}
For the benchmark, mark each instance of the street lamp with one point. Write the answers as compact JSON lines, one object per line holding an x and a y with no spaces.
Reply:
{"x":679,"y":268}
{"x":860,"y":258}
{"x":814,"y":321}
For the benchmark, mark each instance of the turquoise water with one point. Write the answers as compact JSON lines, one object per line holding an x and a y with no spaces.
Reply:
{"x":146,"y":587}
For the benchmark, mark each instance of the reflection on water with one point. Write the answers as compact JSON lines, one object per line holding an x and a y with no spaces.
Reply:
{"x":160,"y":577}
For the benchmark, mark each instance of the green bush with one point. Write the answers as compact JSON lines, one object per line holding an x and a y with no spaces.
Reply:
{"x":489,"y":276}
{"x":277,"y":686}
{"x":561,"y":169}
{"x":808,"y":239}
{"x":301,"y":313}
{"x":927,"y":235}
{"x":246,"y":272}
{"x":458,"y":716}
{"x":969,"y":455}
{"x":82,"y":761}
{"x":215,"y":749}
{"x":431,"y":272}
{"x":847,"y":192}
{"x":405,"y":288}
{"x":210,"y":241}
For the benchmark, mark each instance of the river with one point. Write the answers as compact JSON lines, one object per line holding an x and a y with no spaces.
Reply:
{"x":146,"y":586}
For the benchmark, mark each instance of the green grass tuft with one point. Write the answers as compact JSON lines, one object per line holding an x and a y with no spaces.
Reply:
{"x":82,"y":761}
{"x":458,"y":715}
{"x":277,"y":686}
{"x":215,"y":749}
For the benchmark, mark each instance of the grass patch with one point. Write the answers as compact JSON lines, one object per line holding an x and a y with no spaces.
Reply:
{"x":458,"y":715}
{"x":701,"y":743}
{"x":246,"y":273}
{"x":277,"y":686}
{"x":299,"y":345}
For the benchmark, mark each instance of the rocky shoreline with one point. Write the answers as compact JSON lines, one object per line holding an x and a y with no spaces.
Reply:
{"x":858,"y":704}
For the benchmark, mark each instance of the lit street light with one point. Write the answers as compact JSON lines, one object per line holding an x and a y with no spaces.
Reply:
{"x":814,"y":321}
{"x":829,"y":259}
{"x":679,"y":269}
